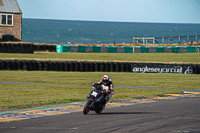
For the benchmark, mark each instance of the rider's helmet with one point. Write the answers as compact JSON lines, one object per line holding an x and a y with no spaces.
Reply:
{"x":105,"y":79}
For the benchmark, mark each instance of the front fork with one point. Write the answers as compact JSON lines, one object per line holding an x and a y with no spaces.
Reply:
{"x":93,"y":101}
{"x":90,"y":93}
{"x":91,"y":105}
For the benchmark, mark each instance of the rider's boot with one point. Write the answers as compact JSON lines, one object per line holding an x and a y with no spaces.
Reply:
{"x":105,"y":101}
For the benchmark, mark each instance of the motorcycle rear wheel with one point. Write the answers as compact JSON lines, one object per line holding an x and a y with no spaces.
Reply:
{"x":99,"y":110}
{"x":86,"y":108}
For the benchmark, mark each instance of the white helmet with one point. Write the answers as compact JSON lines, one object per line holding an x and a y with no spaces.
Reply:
{"x":105,"y":78}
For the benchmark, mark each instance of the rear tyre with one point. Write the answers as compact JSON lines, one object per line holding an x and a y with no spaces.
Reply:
{"x":100,"y":109}
{"x":86,"y":108}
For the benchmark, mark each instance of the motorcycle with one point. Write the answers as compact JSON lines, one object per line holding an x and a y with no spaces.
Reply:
{"x":94,"y":102}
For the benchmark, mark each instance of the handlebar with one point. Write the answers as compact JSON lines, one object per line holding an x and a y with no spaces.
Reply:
{"x":99,"y":87}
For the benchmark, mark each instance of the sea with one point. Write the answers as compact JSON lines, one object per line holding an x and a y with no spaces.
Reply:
{"x":99,"y":32}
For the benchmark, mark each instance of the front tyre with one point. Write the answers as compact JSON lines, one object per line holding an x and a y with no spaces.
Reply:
{"x":86,"y":108}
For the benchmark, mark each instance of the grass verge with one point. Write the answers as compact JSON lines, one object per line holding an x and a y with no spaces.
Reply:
{"x":119,"y":78}
{"x":25,"y":96}
{"x":117,"y":57}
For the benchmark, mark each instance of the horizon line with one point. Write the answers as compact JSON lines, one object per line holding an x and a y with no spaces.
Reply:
{"x":110,"y":21}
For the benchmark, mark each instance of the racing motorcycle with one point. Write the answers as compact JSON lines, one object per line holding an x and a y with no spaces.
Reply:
{"x":93,"y":102}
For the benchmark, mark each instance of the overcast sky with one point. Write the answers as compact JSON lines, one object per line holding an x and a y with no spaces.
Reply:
{"x":165,"y":11}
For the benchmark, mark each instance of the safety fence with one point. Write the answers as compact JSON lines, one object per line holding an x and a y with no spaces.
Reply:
{"x":137,"y":49}
{"x":169,"y":49}
{"x":33,"y":65}
{"x":30,"y":48}
{"x":93,"y":49}
{"x":166,"y":40}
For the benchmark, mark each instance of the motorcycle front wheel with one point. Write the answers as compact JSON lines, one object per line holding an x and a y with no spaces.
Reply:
{"x":86,"y":108}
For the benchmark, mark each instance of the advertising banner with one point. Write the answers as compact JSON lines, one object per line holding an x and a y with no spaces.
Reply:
{"x":162,"y":69}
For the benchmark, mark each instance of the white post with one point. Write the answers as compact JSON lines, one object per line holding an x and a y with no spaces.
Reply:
{"x":143,"y":41}
{"x":196,"y":38}
{"x":154,"y":40}
{"x":163,"y":41}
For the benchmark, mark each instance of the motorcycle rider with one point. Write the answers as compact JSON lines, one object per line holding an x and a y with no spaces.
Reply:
{"x":107,"y":87}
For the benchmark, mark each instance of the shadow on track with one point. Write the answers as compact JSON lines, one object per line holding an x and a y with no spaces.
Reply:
{"x":126,"y":113}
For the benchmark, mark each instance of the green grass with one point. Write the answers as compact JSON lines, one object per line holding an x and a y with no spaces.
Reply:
{"x":127,"y":57}
{"x":16,"y":96}
{"x":119,"y":78}
{"x":23,"y":96}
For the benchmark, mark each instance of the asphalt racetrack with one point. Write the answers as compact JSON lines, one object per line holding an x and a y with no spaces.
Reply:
{"x":171,"y":116}
{"x":180,"y":115}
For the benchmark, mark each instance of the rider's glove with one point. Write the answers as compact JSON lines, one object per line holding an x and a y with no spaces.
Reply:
{"x":109,"y":91}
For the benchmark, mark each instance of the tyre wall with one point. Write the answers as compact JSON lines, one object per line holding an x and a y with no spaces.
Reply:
{"x":16,"y":48}
{"x":32,"y":65}
{"x":50,"y":48}
{"x":25,"y":48}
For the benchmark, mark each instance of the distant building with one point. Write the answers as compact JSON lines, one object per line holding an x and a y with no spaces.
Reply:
{"x":10,"y":19}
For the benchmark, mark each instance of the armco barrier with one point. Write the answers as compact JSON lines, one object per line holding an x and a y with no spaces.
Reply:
{"x":191,"y":49}
{"x":120,"y":50}
{"x":59,"y":48}
{"x":160,"y":50}
{"x":89,"y":49}
{"x":33,"y":65}
{"x":81,"y":48}
{"x":104,"y":49}
{"x":96,"y":49}
{"x":112,"y":49}
{"x":168,"y":49}
{"x":175,"y":50}
{"x":74,"y":48}
{"x":197,"y":48}
{"x":66,"y":49}
{"x":144,"y":49}
{"x":136,"y":49}
{"x":30,"y":48}
{"x":183,"y":49}
{"x":128,"y":49}
{"x":152,"y":49}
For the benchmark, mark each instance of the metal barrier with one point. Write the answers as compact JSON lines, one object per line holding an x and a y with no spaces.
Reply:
{"x":136,"y":49}
{"x":165,"y":40}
